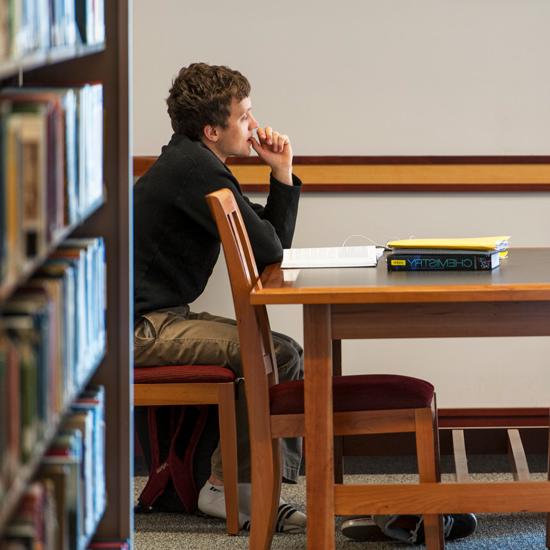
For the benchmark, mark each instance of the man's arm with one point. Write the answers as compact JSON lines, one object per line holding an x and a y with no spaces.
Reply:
{"x":281,"y":208}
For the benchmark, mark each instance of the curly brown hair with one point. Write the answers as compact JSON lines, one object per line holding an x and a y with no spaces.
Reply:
{"x":201,"y":95}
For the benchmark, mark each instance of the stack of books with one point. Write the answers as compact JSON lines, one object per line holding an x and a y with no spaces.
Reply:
{"x":51,"y":168}
{"x":52,"y":336}
{"x":457,"y":254}
{"x":67,"y":499}
{"x":37,"y":26}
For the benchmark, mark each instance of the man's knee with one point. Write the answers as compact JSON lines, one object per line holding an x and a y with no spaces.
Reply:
{"x":289,"y":356}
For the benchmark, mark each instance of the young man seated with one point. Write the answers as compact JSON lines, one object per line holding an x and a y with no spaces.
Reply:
{"x":177,"y":246}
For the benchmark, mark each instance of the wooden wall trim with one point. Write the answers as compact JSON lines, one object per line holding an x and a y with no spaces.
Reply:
{"x":397,"y":174}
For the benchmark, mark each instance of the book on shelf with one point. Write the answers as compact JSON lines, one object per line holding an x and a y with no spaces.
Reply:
{"x":23,"y":185}
{"x":34,"y":523}
{"x":64,"y":275}
{"x":442,"y":260}
{"x":54,"y":290}
{"x":3,"y":204}
{"x":90,"y":21}
{"x":63,"y":465}
{"x":26,"y":322}
{"x":83,"y":422}
{"x":9,"y":409}
{"x":64,"y":31}
{"x":4,"y":31}
{"x":92,"y":402}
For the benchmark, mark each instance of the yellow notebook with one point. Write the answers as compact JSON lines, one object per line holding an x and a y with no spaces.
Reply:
{"x":467,"y":243}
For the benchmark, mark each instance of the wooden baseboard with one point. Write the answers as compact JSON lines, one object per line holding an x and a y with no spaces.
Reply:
{"x":494,"y":417}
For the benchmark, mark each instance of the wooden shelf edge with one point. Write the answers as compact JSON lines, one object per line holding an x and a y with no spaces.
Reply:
{"x":49,"y":57}
{"x":21,"y":481}
{"x":9,"y":287}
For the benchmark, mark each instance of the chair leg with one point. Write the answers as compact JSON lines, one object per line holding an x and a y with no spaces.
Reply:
{"x":427,"y":452}
{"x":228,"y":447}
{"x":277,"y":477}
{"x":266,"y":490}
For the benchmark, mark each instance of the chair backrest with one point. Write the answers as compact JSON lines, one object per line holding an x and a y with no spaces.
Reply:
{"x":257,"y":355}
{"x":255,"y":340}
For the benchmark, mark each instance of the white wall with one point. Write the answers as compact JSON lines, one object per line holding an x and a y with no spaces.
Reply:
{"x":385,"y":77}
{"x":361,"y":77}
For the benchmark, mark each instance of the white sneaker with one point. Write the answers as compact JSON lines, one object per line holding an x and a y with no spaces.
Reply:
{"x":212,"y":503}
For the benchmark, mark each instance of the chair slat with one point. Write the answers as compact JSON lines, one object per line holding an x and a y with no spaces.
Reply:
{"x":517,"y":456}
{"x":461,"y":460}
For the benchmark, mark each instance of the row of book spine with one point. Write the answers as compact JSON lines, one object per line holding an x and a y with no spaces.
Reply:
{"x":61,"y":509}
{"x":52,"y":337}
{"x":51,"y":167}
{"x":30,"y":26}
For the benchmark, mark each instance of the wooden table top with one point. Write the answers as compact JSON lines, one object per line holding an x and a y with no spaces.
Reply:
{"x":523,"y":276}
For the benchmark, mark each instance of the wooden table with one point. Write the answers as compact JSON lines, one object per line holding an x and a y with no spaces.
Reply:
{"x":512,"y":300}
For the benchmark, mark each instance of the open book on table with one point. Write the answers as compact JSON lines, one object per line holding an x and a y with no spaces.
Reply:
{"x":332,"y":256}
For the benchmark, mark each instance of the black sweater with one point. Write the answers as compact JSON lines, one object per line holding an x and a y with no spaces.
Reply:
{"x":176,"y":243}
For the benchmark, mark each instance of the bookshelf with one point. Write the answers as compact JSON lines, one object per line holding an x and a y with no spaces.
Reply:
{"x":109,"y":219}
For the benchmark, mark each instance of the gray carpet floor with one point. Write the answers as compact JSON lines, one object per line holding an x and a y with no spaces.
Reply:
{"x":190,"y":532}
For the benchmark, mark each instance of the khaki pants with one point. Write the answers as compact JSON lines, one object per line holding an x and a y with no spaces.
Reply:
{"x":179,"y":336}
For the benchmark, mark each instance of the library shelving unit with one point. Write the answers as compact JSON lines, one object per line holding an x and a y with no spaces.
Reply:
{"x":107,"y":64}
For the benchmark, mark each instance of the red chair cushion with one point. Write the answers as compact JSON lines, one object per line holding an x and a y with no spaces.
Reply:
{"x":363,"y":392}
{"x":166,"y":374}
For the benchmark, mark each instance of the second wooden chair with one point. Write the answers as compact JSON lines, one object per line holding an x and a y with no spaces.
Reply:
{"x":198,"y":385}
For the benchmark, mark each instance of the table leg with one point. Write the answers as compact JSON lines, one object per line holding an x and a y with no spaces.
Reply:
{"x":318,"y":427}
{"x":338,"y":440}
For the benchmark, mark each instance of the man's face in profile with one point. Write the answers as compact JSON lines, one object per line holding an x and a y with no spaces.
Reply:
{"x":234,"y":139}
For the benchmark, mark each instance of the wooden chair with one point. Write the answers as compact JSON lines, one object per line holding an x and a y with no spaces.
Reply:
{"x":198,"y":385}
{"x":363,"y":404}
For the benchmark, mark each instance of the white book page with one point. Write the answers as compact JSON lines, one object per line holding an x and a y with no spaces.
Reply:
{"x":335,"y":256}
